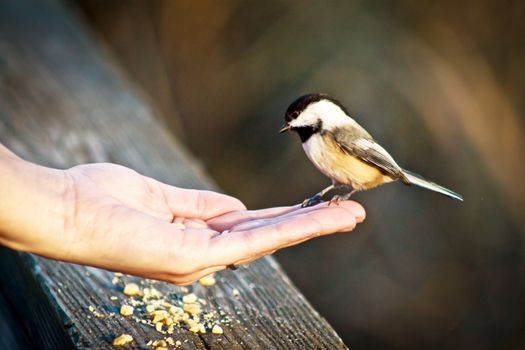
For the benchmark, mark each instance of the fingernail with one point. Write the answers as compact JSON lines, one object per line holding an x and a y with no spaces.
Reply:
{"x":359,"y":212}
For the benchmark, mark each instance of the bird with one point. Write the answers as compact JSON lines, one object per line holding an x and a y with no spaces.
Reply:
{"x":344,"y":151}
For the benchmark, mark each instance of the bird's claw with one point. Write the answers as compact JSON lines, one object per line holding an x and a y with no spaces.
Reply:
{"x":335,"y":199}
{"x":309,"y":202}
{"x":340,"y":197}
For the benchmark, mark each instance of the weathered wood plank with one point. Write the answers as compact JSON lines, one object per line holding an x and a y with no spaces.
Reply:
{"x":63,"y":103}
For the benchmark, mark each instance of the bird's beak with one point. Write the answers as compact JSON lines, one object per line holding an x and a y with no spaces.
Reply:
{"x":285,"y":128}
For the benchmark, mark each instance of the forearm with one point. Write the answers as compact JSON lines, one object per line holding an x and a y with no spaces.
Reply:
{"x":31,"y":204}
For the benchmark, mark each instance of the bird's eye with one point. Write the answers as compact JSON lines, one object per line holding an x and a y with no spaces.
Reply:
{"x":291,"y":116}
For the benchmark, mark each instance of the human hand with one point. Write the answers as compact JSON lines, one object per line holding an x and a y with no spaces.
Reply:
{"x":117,"y":219}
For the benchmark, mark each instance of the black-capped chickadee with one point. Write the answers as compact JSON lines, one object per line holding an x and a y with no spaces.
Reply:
{"x":345,"y":152}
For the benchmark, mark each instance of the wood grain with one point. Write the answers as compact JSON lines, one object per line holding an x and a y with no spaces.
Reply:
{"x":63,"y":102}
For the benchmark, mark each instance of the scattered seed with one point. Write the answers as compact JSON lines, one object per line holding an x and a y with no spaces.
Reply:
{"x":126,"y":310}
{"x":122,"y":340}
{"x":159,"y":315}
{"x":189,"y":298}
{"x":208,"y":281}
{"x":217,"y":329}
{"x":193,"y":309}
{"x":131,"y":289}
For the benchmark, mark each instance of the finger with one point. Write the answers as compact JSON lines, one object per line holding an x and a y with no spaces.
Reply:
{"x":356,"y":209}
{"x":243,"y":220}
{"x":228,"y":220}
{"x":194,"y":277}
{"x":235,"y":246}
{"x":199,"y":203}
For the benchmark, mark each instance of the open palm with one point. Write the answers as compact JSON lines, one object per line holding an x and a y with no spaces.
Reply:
{"x":120,"y":220}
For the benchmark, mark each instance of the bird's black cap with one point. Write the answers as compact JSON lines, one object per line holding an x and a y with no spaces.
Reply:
{"x":304,"y":101}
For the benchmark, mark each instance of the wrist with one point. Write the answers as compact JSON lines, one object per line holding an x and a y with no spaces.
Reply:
{"x":32,"y":208}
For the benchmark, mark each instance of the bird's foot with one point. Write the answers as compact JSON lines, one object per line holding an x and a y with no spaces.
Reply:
{"x":309,"y":202}
{"x":335,"y":200}
{"x":340,"y":197}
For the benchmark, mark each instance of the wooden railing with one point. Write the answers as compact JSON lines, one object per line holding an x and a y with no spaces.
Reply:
{"x":63,"y":102}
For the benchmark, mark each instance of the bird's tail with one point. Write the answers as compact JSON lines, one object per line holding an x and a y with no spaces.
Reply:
{"x":415,"y":179}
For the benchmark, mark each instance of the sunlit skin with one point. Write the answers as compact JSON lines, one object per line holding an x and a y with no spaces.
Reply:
{"x":110,"y":216}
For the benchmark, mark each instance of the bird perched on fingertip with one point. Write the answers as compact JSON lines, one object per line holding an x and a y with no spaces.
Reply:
{"x":344,"y":151}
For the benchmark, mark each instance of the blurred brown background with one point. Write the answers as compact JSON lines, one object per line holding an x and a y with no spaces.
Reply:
{"x":439,"y":84}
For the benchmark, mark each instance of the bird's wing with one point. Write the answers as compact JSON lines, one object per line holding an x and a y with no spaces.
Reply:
{"x":367,"y":150}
